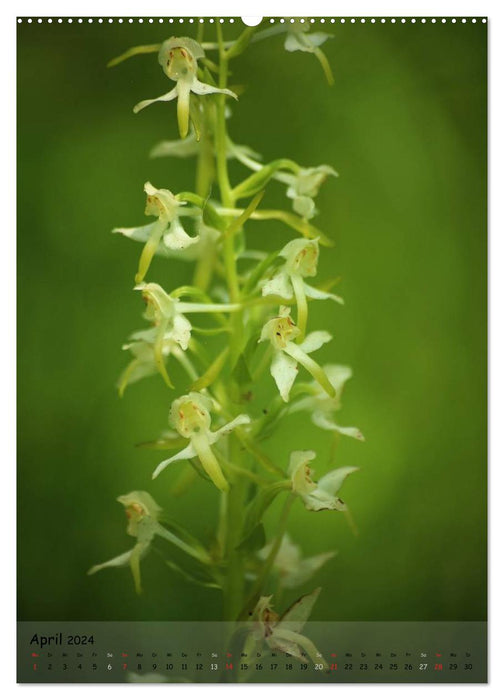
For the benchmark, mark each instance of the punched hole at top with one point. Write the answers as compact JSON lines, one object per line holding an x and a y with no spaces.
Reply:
{"x":251,"y":21}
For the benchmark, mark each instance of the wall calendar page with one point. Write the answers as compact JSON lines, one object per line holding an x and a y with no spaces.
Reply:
{"x":252,"y":342}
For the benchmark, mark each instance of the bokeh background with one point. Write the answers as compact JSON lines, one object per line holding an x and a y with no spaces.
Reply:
{"x":405,"y":126}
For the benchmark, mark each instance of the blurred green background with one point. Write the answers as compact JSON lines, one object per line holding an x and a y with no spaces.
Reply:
{"x":405,"y":126}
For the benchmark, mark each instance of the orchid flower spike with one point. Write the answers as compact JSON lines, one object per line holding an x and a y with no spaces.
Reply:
{"x":321,"y":495}
{"x":190,"y":416}
{"x":322,"y":407}
{"x":281,"y":331}
{"x":167,"y":315}
{"x":301,"y":258}
{"x":299,"y":38}
{"x":143,"y":514}
{"x":303,"y":186}
{"x":178,"y":58}
{"x":292,"y":569}
{"x":284,"y":633}
{"x":167,"y":233}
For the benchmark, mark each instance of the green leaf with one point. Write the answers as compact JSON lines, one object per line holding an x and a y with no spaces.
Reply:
{"x":256,"y":539}
{"x":241,"y":43}
{"x":241,"y":373}
{"x":134,"y":51}
{"x":258,"y":180}
{"x":240,"y":220}
{"x":181,"y":538}
{"x":258,"y":272}
{"x":212,"y":372}
{"x":192,"y":570}
{"x":260,"y":504}
{"x":197,"y":578}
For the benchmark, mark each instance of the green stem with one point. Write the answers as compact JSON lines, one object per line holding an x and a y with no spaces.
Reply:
{"x":233,"y":587}
{"x":204,"y":176}
{"x":261,"y":580}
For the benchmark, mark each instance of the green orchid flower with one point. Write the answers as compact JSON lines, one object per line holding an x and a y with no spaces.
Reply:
{"x":190,"y":416}
{"x":166,"y":233}
{"x":142,"y":346}
{"x":281,"y":331}
{"x":303,"y":186}
{"x":198,"y":248}
{"x":143,"y":514}
{"x":321,"y":495}
{"x":321,"y":407}
{"x":168,"y":316}
{"x":289,"y":565}
{"x":178,"y":58}
{"x":301,"y":258}
{"x":283,"y":633}
{"x":299,"y":38}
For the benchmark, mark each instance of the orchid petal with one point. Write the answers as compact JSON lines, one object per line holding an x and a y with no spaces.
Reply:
{"x":140,"y":233}
{"x":162,"y":98}
{"x":204,"y":89}
{"x":315,"y":340}
{"x":284,"y":371}
{"x":338,"y":375}
{"x":314,"y":293}
{"x":121,"y":560}
{"x":333,"y":481}
{"x":181,"y":331}
{"x":176,"y":238}
{"x":299,"y":612}
{"x":320,"y":500}
{"x":187,"y":453}
{"x":306,"y":569}
{"x":322,"y":420}
{"x":300,"y":472}
{"x":301,"y":41}
{"x":242,"y":419}
{"x":304,"y":206}
{"x":279,"y":285}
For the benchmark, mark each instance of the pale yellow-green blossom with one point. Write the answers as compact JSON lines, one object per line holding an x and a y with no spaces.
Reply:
{"x":190,"y":416}
{"x":301,"y":259}
{"x":168,"y":316}
{"x":142,"y":346}
{"x":299,"y":38}
{"x":303,"y":187}
{"x":292,"y":569}
{"x":321,"y":495}
{"x":281,"y":331}
{"x":284,"y":633}
{"x":322,"y":407}
{"x":143,"y":515}
{"x":166,"y":233}
{"x":178,"y":58}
